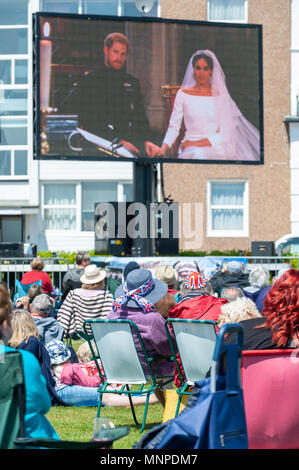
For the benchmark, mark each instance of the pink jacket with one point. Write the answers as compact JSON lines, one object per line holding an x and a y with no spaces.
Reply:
{"x":72,"y":374}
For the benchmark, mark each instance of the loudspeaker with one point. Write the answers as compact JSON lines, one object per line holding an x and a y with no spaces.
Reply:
{"x":166,"y":246}
{"x":167,"y":241}
{"x":11,"y":250}
{"x":119,"y":246}
{"x":111,"y":221}
{"x":112,"y":224}
{"x":262,"y":248}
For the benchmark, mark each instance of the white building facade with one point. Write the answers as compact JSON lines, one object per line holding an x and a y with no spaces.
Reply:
{"x":293,"y":120}
{"x":47,"y":203}
{"x":51,"y":203}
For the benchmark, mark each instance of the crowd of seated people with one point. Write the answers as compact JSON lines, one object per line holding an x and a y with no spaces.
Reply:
{"x":268,"y":312}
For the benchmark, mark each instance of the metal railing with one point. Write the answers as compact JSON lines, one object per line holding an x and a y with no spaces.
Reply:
{"x":14,"y":268}
{"x":272,"y":263}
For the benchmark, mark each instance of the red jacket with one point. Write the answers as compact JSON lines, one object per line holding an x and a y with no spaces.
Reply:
{"x":203,"y":307}
{"x":172,"y":291}
{"x":32,"y":276}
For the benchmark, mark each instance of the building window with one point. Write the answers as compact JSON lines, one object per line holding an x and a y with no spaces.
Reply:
{"x":59,"y":208}
{"x":96,"y":192}
{"x":98,"y":7}
{"x":11,"y":229}
{"x":227,"y":209}
{"x":14,"y":12}
{"x":128,"y":192}
{"x":227,"y":10}
{"x":13,"y":146}
{"x":103,"y":7}
{"x":14,"y":88}
{"x":69,"y":206}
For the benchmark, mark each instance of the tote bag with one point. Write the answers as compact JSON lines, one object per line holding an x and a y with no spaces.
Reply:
{"x":214,"y":417}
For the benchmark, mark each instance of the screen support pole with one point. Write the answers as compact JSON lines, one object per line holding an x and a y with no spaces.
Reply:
{"x":143,"y":192}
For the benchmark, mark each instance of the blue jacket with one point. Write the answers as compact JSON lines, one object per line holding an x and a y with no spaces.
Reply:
{"x":34,"y":346}
{"x":38,"y":401}
{"x":48,"y":329}
{"x":258,"y":296}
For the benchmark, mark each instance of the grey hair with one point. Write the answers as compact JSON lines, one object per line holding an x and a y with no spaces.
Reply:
{"x":231,"y":293}
{"x":240,"y":309}
{"x":82,"y":256}
{"x":206,"y":290}
{"x":259,"y":277}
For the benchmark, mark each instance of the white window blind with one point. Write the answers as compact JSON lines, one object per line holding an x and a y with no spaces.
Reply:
{"x":227,"y":10}
{"x":227,"y":208}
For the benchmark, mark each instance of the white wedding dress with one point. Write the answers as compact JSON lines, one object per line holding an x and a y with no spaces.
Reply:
{"x":216,"y":118}
{"x":201,"y":121}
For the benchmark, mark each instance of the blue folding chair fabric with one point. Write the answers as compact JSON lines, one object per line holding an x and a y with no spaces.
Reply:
{"x":22,"y":289}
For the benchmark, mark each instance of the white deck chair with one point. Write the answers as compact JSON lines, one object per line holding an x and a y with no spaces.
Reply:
{"x":116,"y":348}
{"x":195,"y":341}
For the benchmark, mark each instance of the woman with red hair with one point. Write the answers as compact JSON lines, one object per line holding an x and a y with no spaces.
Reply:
{"x":281,"y":308}
{"x":278,"y":327}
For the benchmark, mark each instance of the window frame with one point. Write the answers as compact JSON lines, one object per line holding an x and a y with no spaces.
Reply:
{"x":228,"y":21}
{"x":228,"y":233}
{"x":58,"y":206}
{"x":120,"y":7}
{"x":26,"y":116}
{"x":78,"y":204}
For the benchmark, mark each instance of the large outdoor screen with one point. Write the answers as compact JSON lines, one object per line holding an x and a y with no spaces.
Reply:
{"x":150,"y":90}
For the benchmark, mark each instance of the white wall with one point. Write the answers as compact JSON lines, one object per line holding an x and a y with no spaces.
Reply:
{"x":294,"y":56}
{"x":89,"y":170}
{"x":53,"y":171}
{"x":294,"y":126}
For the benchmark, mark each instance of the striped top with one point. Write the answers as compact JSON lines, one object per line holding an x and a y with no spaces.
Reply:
{"x":81,"y":304}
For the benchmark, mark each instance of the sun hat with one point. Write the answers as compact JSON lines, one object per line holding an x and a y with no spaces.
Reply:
{"x":195,"y":281}
{"x":42,"y":304}
{"x":92,"y":274}
{"x":234,"y":267}
{"x":183,"y":269}
{"x":129,"y":267}
{"x":167,"y":274}
{"x":145,"y":289}
{"x":58,"y":351}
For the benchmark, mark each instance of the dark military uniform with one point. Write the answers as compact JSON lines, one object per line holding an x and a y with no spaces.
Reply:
{"x":110,"y":105}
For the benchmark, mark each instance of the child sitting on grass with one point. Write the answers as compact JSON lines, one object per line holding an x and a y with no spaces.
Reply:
{"x":77,"y":384}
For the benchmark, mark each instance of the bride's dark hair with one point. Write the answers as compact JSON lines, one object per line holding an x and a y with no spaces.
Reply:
{"x":207,"y":58}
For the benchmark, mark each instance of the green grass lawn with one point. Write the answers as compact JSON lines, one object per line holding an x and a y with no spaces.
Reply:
{"x":76,"y":423}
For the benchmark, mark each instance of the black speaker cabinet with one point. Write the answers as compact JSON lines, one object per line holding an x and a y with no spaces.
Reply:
{"x":263,"y":248}
{"x":114,"y":219}
{"x":166,"y":246}
{"x":167,"y":241}
{"x":11,"y":250}
{"x":119,"y":243}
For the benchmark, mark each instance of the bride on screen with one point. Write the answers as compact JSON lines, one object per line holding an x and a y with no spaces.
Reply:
{"x":215,"y":127}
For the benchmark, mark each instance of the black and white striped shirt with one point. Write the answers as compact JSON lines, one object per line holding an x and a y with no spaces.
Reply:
{"x":81,"y":304}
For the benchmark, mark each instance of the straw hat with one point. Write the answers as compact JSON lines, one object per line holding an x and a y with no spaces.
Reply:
{"x":92,"y":275}
{"x":167,"y":274}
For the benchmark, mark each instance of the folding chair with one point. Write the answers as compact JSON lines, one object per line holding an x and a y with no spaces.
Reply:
{"x":79,"y":335}
{"x":12,"y":412}
{"x":195,"y":341}
{"x":116,"y":349}
{"x":22,"y":289}
{"x":270,"y":380}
